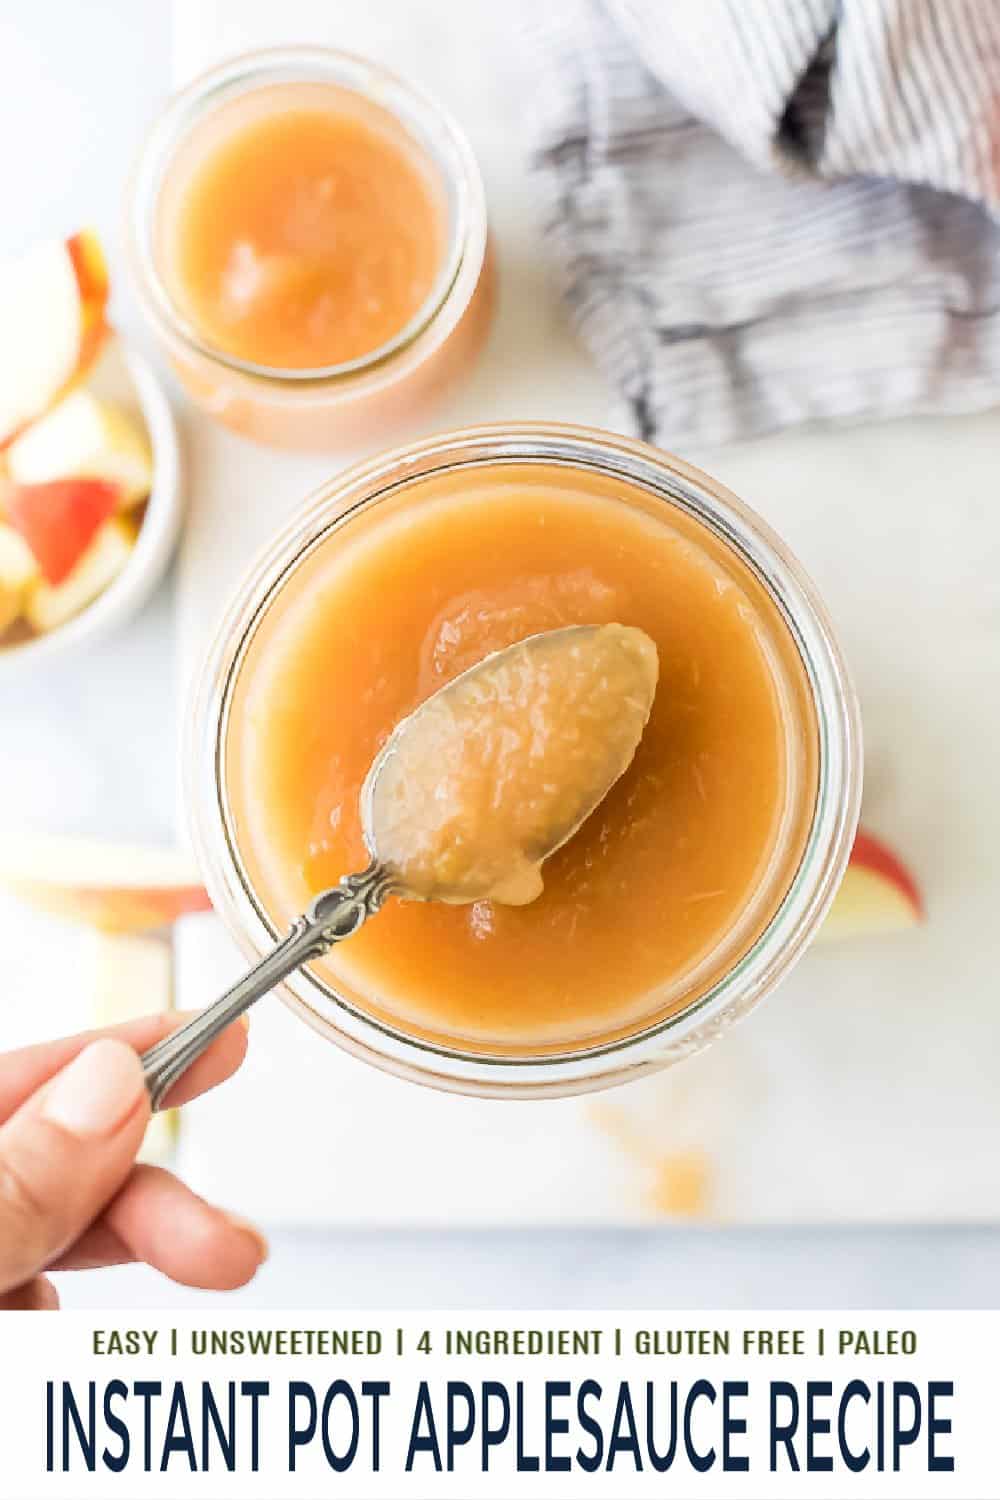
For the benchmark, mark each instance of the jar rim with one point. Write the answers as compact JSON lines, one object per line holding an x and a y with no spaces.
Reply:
{"x":800,"y":908}
{"x":440,"y":137}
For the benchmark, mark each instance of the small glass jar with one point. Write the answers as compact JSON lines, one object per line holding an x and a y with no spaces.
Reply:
{"x":339,"y":405}
{"x":827,"y":811}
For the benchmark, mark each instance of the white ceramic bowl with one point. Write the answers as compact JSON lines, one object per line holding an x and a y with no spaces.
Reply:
{"x":127,"y":377}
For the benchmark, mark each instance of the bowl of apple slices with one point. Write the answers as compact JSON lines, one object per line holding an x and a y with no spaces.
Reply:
{"x":90,"y":494}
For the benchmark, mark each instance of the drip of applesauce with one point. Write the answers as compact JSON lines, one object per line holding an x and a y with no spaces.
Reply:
{"x":497,"y":770}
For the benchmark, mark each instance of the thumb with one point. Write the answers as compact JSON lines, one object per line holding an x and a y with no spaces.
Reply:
{"x":65,"y":1153}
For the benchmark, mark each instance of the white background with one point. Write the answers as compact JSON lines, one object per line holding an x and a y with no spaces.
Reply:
{"x":78,"y":82}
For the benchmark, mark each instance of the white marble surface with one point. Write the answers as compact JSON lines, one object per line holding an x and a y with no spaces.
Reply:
{"x":90,"y":747}
{"x":815,"y":1110}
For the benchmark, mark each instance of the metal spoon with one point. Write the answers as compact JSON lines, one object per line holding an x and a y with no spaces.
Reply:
{"x":338,"y":913}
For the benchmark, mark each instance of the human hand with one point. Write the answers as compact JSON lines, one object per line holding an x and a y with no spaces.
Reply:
{"x":72,"y":1117}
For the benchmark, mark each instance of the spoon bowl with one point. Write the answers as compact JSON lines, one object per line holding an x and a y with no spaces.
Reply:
{"x":490,"y":775}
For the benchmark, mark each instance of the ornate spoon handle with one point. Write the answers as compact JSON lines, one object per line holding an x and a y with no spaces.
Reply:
{"x":335,"y":914}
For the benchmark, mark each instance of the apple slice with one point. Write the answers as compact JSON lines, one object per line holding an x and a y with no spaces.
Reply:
{"x":18,"y":570}
{"x":116,"y":887}
{"x":10,"y":606}
{"x":52,"y":303}
{"x":131,"y":975}
{"x":91,"y":270}
{"x":85,"y":436}
{"x":60,"y":520}
{"x":18,"y":564}
{"x":50,"y":605}
{"x":877,"y":894}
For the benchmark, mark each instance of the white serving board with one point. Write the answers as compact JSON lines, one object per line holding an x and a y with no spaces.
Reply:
{"x":867,"y":1088}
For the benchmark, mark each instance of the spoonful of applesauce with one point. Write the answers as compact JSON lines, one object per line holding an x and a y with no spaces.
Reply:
{"x":467,"y":798}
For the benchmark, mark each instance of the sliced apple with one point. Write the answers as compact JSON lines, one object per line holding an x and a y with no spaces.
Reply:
{"x":85,"y":436}
{"x":60,"y":521}
{"x":18,"y":564}
{"x":116,"y":887}
{"x":131,"y":975}
{"x":52,"y":303}
{"x":91,"y":270}
{"x":51,"y":605}
{"x":877,"y":894}
{"x":18,"y":570}
{"x":10,"y":606}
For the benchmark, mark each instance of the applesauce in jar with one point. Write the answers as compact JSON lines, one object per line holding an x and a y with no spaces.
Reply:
{"x":680,"y":869}
{"x":308,"y":237}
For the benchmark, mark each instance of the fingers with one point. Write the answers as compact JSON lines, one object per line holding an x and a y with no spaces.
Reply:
{"x":64,"y":1154}
{"x":22,"y":1072}
{"x":77,"y":1111}
{"x":215,"y":1065}
{"x":97,"y":1246}
{"x":156,"y":1219}
{"x":36,"y":1295}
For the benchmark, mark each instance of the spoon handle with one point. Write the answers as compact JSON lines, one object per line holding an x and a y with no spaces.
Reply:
{"x":335,"y":914}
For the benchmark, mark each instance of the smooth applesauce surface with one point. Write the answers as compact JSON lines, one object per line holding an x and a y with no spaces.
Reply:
{"x":306,"y":228}
{"x":672,"y":877}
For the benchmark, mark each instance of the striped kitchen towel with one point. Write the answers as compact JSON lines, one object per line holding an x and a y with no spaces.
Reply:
{"x":764,"y":212}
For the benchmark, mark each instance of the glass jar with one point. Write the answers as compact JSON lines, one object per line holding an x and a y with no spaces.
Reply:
{"x":339,"y":405}
{"x":803,"y":889}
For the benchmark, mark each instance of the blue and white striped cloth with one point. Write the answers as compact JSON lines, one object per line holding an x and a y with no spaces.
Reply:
{"x":765,"y":212}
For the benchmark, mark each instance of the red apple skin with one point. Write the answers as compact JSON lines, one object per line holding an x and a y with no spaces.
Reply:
{"x":92,"y":278}
{"x":59,"y":520}
{"x":870,"y":853}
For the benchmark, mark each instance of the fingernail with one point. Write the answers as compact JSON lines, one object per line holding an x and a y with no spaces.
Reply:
{"x":245,"y":1227}
{"x":244,"y":1021}
{"x":97,"y":1091}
